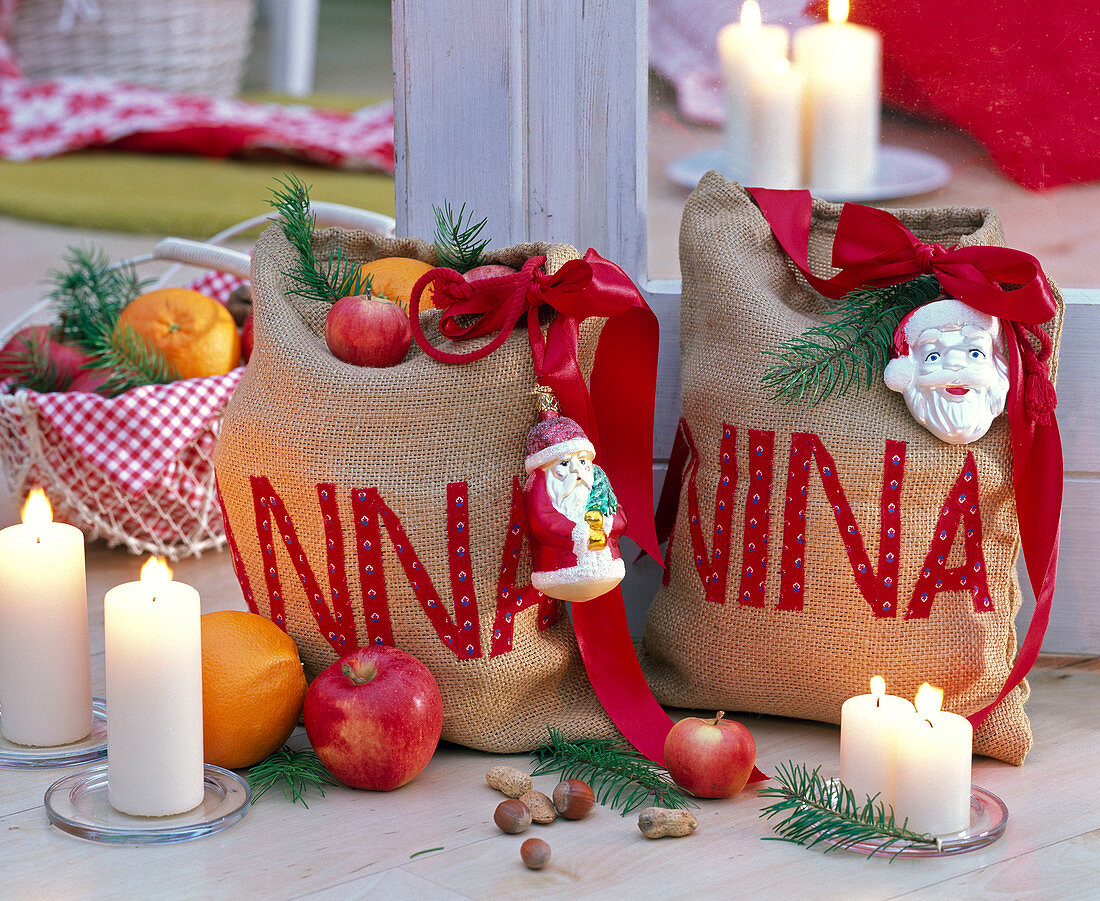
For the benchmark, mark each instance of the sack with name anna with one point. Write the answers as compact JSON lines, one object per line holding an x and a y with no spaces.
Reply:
{"x":863,"y":447}
{"x":388,"y":505}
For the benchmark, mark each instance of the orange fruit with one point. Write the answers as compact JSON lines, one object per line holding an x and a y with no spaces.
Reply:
{"x":252,"y":688}
{"x":394,"y":278}
{"x":196,"y":334}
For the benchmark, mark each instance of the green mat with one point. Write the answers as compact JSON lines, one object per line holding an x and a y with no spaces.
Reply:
{"x":185,"y":196}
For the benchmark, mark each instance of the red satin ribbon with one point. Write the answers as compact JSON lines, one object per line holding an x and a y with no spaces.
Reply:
{"x":617,"y":417}
{"x":873,"y":248}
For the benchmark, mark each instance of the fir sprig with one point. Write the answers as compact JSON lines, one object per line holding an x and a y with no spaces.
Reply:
{"x":457,"y":244}
{"x":89,"y":293}
{"x":127,"y":360}
{"x":619,"y":775}
{"x":816,"y":810}
{"x":325,"y":280}
{"x":295,"y":772}
{"x":850,"y":348}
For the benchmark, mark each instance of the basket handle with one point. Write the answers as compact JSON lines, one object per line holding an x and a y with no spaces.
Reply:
{"x":206,"y":256}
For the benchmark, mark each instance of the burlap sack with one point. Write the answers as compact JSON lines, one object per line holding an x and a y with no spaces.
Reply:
{"x":740,"y":298}
{"x":442,"y":446}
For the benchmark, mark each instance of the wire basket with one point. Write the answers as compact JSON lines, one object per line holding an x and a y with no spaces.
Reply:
{"x":192,"y":46}
{"x":178,"y":514}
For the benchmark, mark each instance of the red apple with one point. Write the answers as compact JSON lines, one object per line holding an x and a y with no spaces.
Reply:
{"x":489,"y":270}
{"x":368,"y":331}
{"x":90,"y":381}
{"x":247,"y":337}
{"x":711,"y":758}
{"x":67,"y":360}
{"x":374,"y":717}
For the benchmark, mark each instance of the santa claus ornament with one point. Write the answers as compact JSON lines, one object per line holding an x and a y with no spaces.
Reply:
{"x":575,"y":521}
{"x":949,"y":364}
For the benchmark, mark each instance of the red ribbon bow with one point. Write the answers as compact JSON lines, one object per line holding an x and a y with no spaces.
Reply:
{"x":872,"y":248}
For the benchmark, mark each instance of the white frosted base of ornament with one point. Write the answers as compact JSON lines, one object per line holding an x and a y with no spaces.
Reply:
{"x":576,"y":584}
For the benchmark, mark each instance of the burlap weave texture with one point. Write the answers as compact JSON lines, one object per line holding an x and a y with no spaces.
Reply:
{"x":301,"y":418}
{"x":742,"y":297}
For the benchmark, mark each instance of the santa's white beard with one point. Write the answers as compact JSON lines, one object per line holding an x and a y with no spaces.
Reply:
{"x":955,"y":421}
{"x":569,"y":494}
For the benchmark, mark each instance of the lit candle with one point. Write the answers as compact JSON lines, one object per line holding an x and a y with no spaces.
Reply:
{"x":775,"y":125}
{"x":741,"y":48}
{"x":154,"y":694}
{"x":869,"y":742}
{"x":934,"y":756}
{"x":842,"y":65}
{"x":45,"y":664}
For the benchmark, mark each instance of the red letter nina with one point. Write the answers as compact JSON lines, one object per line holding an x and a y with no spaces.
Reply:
{"x":460,"y":632}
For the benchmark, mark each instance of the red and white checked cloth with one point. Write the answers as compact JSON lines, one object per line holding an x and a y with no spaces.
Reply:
{"x":133,"y":438}
{"x":44,"y":118}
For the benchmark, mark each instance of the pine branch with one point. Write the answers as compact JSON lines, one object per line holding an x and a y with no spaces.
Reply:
{"x":619,"y":775}
{"x":295,"y":772}
{"x":819,"y":810}
{"x":848,"y":350}
{"x":456,"y":238}
{"x":128,"y":360}
{"x":327,"y":280}
{"x":89,"y":293}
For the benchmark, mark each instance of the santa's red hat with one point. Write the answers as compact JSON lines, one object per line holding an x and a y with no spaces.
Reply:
{"x":553,"y":438}
{"x":946,"y":313}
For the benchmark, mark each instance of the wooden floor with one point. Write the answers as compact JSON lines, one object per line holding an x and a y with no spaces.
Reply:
{"x":353,"y":844}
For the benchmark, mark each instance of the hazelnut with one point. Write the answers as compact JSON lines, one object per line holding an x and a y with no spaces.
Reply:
{"x":574,"y":798}
{"x":512,"y":816}
{"x":535,"y":853}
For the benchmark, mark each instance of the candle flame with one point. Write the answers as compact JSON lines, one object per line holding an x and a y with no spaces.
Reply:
{"x":878,"y":686}
{"x":156,"y":570}
{"x":838,"y":10}
{"x":36,"y":511}
{"x":750,"y":15}
{"x":780,"y":65}
{"x":929,"y":699}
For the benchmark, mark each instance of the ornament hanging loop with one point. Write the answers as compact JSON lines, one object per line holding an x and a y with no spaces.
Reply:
{"x":546,"y":399}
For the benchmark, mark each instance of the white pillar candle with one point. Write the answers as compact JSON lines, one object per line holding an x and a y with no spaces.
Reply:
{"x":45,"y":664}
{"x":775,"y":125}
{"x":935,"y":749}
{"x":154,"y":695}
{"x":842,"y":65}
{"x":869,"y":742}
{"x":741,"y":48}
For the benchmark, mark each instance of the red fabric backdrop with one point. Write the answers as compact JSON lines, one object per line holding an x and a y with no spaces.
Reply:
{"x":1021,"y":76}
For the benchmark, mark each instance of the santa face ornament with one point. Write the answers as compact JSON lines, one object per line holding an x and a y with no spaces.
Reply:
{"x":574,"y":518}
{"x":950,"y":366}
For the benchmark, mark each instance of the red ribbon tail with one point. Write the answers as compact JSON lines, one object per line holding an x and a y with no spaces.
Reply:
{"x":616,"y":676}
{"x":1038,"y":477}
{"x":624,"y":385}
